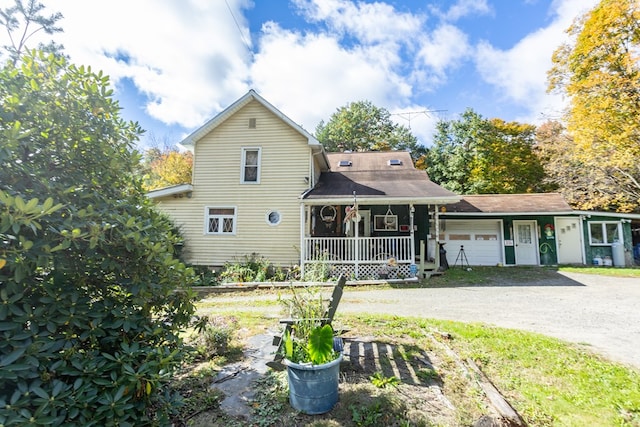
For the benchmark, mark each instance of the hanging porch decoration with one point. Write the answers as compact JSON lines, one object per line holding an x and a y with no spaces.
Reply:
{"x":328,"y":215}
{"x":389,"y":218}
{"x":351,"y":214}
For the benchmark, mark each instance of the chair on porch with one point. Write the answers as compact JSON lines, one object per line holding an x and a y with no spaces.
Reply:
{"x":326,"y":319}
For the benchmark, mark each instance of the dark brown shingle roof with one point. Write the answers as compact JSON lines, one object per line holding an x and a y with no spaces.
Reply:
{"x":405,"y":184}
{"x":511,"y":203}
{"x":371,"y":176}
{"x":370,"y":161}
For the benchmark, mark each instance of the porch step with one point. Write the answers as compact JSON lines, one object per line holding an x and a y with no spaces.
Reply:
{"x":430,"y":273}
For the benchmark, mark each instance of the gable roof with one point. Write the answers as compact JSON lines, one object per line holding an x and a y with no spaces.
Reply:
{"x":375,"y":181}
{"x":252,"y":95}
{"x":534,"y":203}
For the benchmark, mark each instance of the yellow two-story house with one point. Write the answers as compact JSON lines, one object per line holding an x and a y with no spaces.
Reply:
{"x":263,"y":185}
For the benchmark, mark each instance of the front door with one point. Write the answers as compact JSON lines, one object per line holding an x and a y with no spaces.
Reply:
{"x":526,"y":241}
{"x":569,"y":238}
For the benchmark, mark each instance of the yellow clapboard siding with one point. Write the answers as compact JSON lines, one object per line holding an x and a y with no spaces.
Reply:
{"x":285,"y":158}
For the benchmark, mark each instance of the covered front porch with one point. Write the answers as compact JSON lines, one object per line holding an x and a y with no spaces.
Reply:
{"x":375,"y":242}
{"x":367,"y":216}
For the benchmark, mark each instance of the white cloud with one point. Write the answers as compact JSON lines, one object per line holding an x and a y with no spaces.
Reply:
{"x":370,"y":23}
{"x":520,"y":72}
{"x":312,"y":75}
{"x":187,"y":57}
{"x":370,"y":52}
{"x":190,"y":59}
{"x":463,"y":8}
{"x":444,"y":49}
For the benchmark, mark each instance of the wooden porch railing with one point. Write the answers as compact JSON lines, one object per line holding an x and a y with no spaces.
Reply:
{"x":361,"y":250}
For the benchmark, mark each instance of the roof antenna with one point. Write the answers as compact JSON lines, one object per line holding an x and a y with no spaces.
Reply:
{"x":408,"y":114}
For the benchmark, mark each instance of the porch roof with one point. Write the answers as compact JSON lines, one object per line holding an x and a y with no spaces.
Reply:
{"x":379,"y":186}
{"x":170,"y":191}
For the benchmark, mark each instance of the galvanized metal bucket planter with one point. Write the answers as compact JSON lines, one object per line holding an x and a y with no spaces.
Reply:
{"x":313,"y":389}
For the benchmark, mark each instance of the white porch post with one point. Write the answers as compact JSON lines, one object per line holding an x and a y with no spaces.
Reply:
{"x":356,"y":224}
{"x":436,"y":221}
{"x":412,"y":232}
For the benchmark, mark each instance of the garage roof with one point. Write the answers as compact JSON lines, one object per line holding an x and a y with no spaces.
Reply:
{"x":511,"y":204}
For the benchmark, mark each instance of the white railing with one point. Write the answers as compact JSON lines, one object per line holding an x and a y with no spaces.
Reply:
{"x":361,"y":250}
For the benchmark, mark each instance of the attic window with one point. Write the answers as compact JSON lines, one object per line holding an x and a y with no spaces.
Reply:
{"x":252,"y":123}
{"x":345,"y":163}
{"x":394,"y":162}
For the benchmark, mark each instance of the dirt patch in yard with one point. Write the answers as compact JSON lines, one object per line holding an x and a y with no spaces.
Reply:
{"x":372,"y":369}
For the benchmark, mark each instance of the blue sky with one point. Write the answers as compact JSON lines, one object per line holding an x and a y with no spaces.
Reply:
{"x":177,"y":63}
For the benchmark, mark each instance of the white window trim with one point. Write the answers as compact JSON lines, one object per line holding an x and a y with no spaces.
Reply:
{"x":207,"y":217}
{"x":392,"y":225}
{"x":244,"y":159}
{"x":604,"y":232}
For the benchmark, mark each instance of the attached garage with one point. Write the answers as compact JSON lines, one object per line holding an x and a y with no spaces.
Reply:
{"x":530,"y":229}
{"x":482,"y":240}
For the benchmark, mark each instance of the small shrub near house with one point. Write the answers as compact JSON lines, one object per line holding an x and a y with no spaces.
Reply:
{"x":213,"y":336}
{"x":249,"y":268}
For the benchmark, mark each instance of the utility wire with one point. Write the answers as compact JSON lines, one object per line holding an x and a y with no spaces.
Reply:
{"x":244,"y":41}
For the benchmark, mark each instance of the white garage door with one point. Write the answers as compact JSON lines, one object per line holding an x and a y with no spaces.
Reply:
{"x":481,"y":240}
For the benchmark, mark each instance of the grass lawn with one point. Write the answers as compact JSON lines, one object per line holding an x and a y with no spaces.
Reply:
{"x":603,"y":271}
{"x":548,"y":381}
{"x":495,"y":276}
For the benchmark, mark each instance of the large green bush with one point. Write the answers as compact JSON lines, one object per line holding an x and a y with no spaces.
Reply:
{"x":92,"y":297}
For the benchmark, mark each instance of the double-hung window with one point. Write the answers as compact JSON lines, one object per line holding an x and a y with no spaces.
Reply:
{"x":250,"y":173}
{"x":220,"y":220}
{"x":603,"y":233}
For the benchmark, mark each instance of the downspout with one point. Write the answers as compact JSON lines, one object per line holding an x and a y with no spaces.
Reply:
{"x":312,"y":170}
{"x":303,"y":248}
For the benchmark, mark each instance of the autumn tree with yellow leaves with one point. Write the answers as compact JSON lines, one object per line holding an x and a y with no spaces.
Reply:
{"x":599,"y":71}
{"x":476,"y":155}
{"x":556,"y":149}
{"x":167,"y":167}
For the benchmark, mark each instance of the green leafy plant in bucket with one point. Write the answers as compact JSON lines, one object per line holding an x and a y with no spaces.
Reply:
{"x":316,"y":349}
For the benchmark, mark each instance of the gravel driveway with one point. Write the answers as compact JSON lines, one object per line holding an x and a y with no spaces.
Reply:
{"x":603,"y":312}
